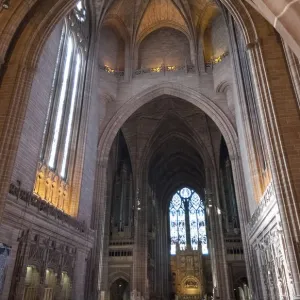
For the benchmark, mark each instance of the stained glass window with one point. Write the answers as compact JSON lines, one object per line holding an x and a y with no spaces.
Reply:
{"x":187,"y":205}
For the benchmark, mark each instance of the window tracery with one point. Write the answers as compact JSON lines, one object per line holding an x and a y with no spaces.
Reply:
{"x":54,"y":180}
{"x":187,"y":217}
{"x":80,"y":11}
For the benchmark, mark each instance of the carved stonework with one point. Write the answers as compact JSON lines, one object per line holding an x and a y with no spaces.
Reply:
{"x":48,"y":258}
{"x":268,"y":199}
{"x":274,"y":268}
{"x":187,"y":274}
{"x":45,"y":207}
{"x":51,"y":188}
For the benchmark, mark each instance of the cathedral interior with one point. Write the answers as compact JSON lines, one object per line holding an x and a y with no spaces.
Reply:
{"x":149,"y":149}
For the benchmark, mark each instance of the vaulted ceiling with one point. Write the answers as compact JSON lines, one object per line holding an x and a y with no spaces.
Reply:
{"x":140,"y":17}
{"x":175,"y":143}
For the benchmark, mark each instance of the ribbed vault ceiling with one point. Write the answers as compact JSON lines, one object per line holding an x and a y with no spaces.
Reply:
{"x":171,"y":139}
{"x":142,"y":17}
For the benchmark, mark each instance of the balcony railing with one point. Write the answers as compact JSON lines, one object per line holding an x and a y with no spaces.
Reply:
{"x":164,"y":69}
{"x":116,"y":73}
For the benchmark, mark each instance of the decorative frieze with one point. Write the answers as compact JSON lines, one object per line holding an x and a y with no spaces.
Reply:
{"x":275,"y":272}
{"x":46,"y":207}
{"x":44,"y":267}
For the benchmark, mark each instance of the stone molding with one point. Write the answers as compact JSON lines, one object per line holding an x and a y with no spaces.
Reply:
{"x":267,"y":201}
{"x":45,"y":207}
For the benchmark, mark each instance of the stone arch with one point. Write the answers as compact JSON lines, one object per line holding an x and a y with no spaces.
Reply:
{"x":223,"y":87}
{"x":242,"y":16}
{"x":180,"y":91}
{"x":27,"y":31}
{"x":127,"y":109}
{"x":118,"y":275}
{"x":167,"y":24}
{"x":115,"y":22}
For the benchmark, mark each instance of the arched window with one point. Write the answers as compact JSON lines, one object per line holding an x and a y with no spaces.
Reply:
{"x":187,"y":221}
{"x":58,"y":154}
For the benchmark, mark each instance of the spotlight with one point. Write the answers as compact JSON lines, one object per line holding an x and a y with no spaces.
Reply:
{"x":6,"y":4}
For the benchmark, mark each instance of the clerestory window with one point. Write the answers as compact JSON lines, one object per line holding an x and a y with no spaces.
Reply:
{"x":187,"y":221}
{"x":58,"y":152}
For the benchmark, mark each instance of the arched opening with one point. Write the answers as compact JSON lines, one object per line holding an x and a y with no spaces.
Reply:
{"x":178,"y":207}
{"x":119,"y":290}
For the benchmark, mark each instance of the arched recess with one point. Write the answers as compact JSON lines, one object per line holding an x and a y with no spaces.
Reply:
{"x":116,"y":275}
{"x":132,"y":105}
{"x":163,"y":24}
{"x":112,"y":51}
{"x":26,"y":33}
{"x":154,"y":51}
{"x":120,"y":290}
{"x":175,"y":90}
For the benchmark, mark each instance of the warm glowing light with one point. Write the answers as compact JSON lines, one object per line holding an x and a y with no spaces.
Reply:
{"x":171,"y":68}
{"x":218,"y":59}
{"x":157,"y":70}
{"x":52,"y":188}
{"x":109,"y":69}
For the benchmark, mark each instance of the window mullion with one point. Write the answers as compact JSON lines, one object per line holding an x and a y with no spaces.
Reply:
{"x":66,"y":113}
{"x":76,"y":120}
{"x":46,"y":140}
{"x":61,"y":105}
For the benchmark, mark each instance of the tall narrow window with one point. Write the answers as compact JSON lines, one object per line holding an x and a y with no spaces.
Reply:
{"x":187,"y":221}
{"x":74,"y":95}
{"x":61,"y":104}
{"x":58,"y":158}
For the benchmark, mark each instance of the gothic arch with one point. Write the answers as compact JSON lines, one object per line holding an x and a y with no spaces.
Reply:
{"x":175,"y":90}
{"x":167,"y":24}
{"x":118,"y":275}
{"x":115,"y":22}
{"x":22,"y":48}
{"x":200,"y":101}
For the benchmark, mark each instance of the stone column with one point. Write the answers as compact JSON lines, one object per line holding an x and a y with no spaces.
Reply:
{"x":140,"y":249}
{"x":100,"y":222}
{"x":294,"y":67}
{"x":79,"y":275}
{"x":187,"y":225}
{"x":222,"y":289}
{"x":281,"y":123}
